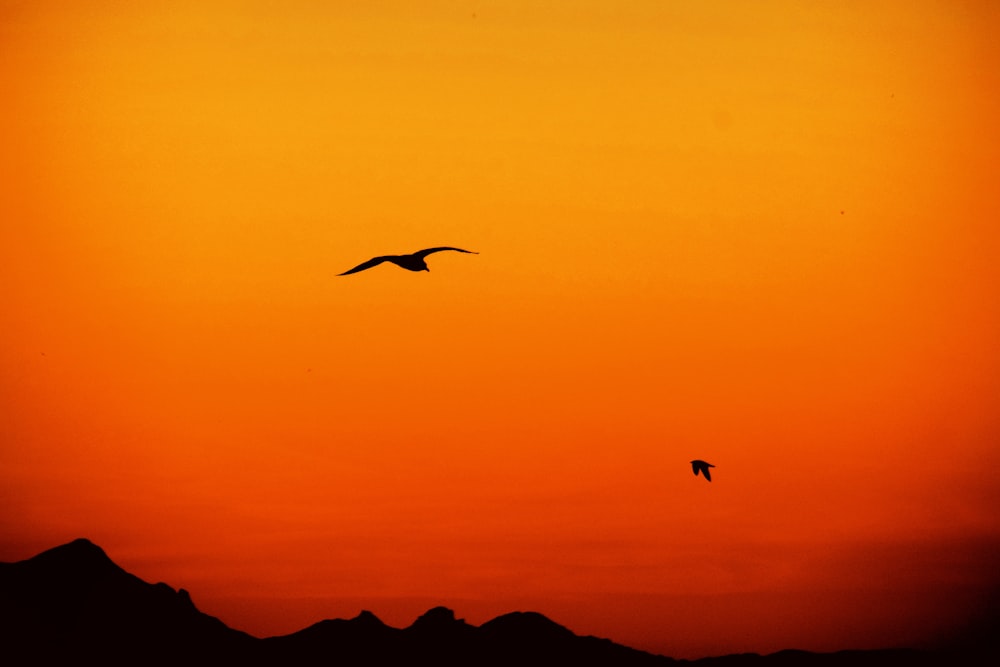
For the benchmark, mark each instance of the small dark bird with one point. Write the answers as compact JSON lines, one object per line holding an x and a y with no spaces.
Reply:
{"x":701,"y":466}
{"x":412,"y":262}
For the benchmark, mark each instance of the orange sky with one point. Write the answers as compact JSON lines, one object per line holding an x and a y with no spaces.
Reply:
{"x":762,"y":234}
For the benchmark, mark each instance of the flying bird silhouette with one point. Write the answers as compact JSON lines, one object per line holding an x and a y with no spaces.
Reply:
{"x":412,"y":262}
{"x":701,"y":466}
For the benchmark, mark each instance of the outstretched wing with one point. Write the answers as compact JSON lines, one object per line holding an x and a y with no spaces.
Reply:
{"x":423,"y":253}
{"x":702,"y":467}
{"x":375,"y":261}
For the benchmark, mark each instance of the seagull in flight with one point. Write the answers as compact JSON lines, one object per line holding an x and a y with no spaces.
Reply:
{"x":412,"y":262}
{"x":701,"y":466}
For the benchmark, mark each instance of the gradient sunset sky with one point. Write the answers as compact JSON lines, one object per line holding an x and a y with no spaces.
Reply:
{"x":764,"y":234}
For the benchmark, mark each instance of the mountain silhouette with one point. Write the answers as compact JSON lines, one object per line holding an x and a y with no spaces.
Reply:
{"x":437,"y":637}
{"x":74,"y":601}
{"x":73,"y":605}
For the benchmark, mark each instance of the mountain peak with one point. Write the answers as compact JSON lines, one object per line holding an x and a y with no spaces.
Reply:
{"x":528,"y":623}
{"x":438,"y":617}
{"x":79,"y":555}
{"x":74,"y":598}
{"x":368,"y":619}
{"x":83,"y":542}
{"x":81,"y":545}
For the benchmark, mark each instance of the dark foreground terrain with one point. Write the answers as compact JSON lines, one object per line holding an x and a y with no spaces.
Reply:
{"x":73,"y":605}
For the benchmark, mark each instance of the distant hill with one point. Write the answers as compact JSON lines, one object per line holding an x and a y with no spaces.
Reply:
{"x":73,"y":601}
{"x":73,"y":605}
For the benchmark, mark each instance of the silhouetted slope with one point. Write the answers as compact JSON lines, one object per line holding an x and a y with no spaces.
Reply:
{"x":531,"y":638}
{"x":876,"y":658}
{"x":73,"y":600}
{"x":361,"y":640}
{"x":73,"y":605}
